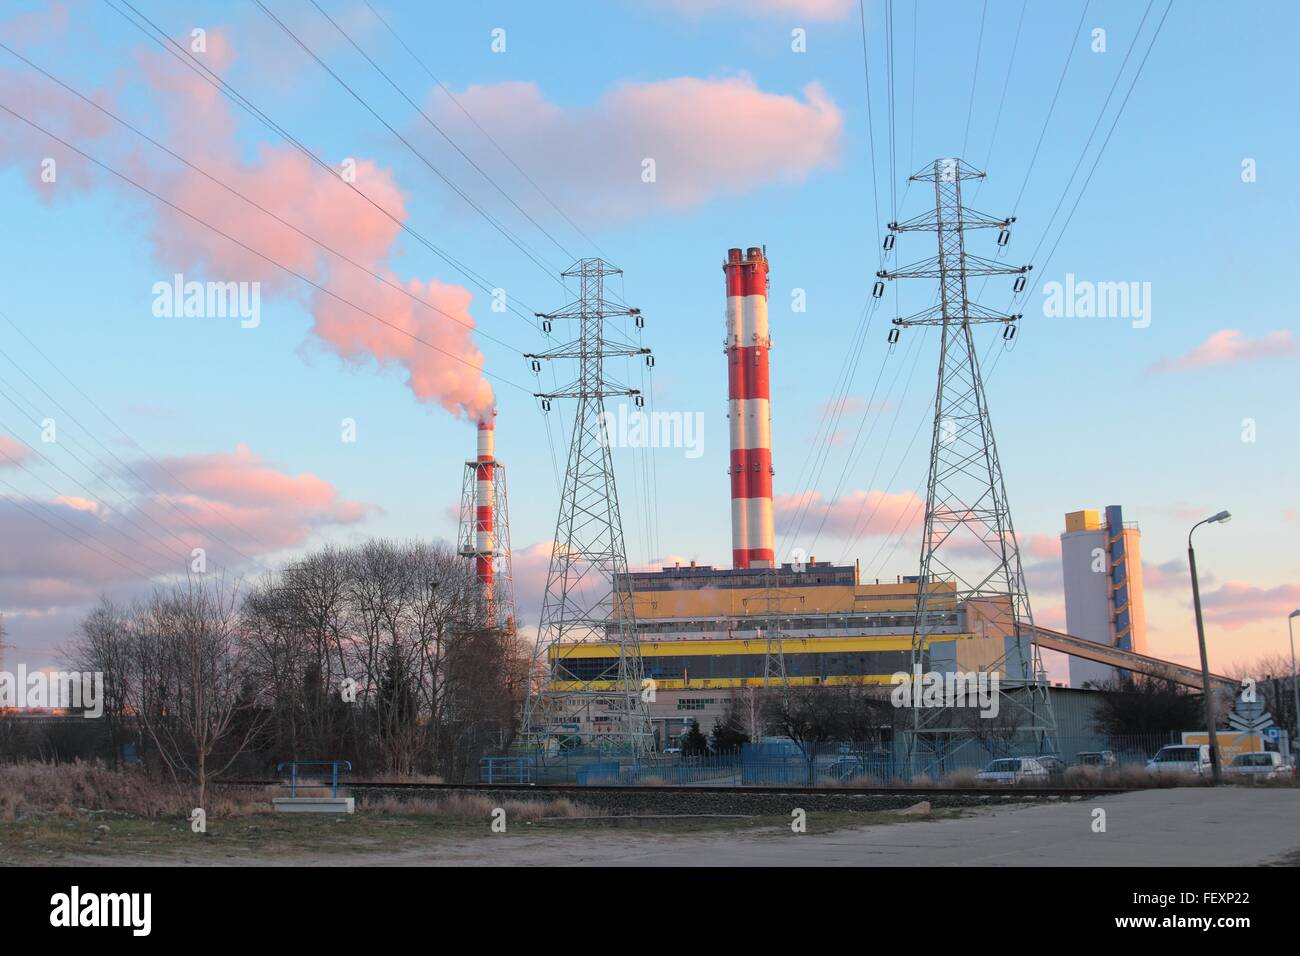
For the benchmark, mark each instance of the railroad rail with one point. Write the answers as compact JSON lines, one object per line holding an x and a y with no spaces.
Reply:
{"x":571,"y":789}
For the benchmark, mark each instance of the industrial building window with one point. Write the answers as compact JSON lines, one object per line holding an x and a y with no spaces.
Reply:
{"x":698,"y":703}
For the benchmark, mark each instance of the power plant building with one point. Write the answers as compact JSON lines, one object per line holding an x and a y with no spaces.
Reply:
{"x":704,"y":632}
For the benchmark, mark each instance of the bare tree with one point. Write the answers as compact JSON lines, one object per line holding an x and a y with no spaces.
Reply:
{"x":1146,"y":705}
{"x":810,"y":717}
{"x":104,"y":648}
{"x":188,"y":682}
{"x":400,"y":626}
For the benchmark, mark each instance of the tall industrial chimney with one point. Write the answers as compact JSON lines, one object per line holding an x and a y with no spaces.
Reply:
{"x":483,"y":535}
{"x":748,"y":407}
{"x":484,"y":498}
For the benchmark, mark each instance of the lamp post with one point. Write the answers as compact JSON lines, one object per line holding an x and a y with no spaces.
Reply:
{"x":1295,"y":688}
{"x":1207,"y":694}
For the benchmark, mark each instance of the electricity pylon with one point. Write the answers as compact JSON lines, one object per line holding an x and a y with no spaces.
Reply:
{"x":771,"y":629}
{"x":588,"y":593}
{"x":970,"y":559}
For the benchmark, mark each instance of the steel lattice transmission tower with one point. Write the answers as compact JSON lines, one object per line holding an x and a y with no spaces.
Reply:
{"x":588,"y":594}
{"x":970,"y":559}
{"x":770,"y":628}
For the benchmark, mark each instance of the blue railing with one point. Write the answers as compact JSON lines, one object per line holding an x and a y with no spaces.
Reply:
{"x":505,"y":770}
{"x":334,"y":766}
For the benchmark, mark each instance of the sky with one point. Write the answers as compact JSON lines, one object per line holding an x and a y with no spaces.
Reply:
{"x":384,"y":174}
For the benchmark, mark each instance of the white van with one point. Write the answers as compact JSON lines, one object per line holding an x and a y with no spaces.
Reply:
{"x":1266,"y":765}
{"x":1014,"y":770}
{"x":1191,"y":759}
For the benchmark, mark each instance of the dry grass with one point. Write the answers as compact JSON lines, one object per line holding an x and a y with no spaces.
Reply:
{"x":476,"y":807}
{"x":71,"y":789}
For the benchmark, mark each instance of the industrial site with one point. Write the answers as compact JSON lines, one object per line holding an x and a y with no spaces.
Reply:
{"x":793,"y":433}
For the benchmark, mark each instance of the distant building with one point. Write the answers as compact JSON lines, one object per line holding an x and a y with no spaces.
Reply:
{"x":1102,"y":563}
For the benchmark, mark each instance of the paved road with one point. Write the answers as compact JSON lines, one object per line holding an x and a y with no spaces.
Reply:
{"x":1230,"y":827}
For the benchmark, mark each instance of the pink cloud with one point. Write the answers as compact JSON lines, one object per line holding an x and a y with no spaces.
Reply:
{"x":234,"y":505}
{"x":858,"y":513}
{"x":1180,"y":511}
{"x":1050,"y":615}
{"x":707,"y":138}
{"x":810,"y":9}
{"x":530,"y":566}
{"x":1169,"y":576}
{"x":201,"y":125}
{"x":39,"y":26}
{"x":1232,"y":347}
{"x":1041,"y":546}
{"x":1237,"y":604}
{"x":854,"y":405}
{"x":12,"y":452}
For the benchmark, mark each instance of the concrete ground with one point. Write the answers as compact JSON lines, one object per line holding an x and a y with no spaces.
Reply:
{"x":1230,"y":826}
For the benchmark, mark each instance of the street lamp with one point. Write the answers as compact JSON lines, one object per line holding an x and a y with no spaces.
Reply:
{"x":1295,"y":688}
{"x":1207,"y":694}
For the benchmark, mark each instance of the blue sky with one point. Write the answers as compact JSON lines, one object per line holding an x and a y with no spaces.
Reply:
{"x":1081,"y":418}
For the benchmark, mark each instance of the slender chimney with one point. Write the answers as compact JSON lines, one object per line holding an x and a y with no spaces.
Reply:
{"x":483,"y":497}
{"x":748,"y":394}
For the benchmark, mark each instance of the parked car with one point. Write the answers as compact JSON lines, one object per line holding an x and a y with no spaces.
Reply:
{"x":1101,"y":759}
{"x":1054,"y":766}
{"x":1181,"y":758}
{"x":1268,"y":765}
{"x":1014,"y":770}
{"x":672,"y":750}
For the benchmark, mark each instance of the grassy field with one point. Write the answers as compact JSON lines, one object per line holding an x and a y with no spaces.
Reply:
{"x":367,"y":834}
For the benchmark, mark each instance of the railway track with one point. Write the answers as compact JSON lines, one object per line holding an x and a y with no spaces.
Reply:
{"x":568,"y":789}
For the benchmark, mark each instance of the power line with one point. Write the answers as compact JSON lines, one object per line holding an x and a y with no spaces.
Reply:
{"x":1069,"y":55}
{"x":1011,"y":62}
{"x":916,"y":5}
{"x":1096,"y":159}
{"x":485,"y":133}
{"x":298,"y":275}
{"x":833,"y":411}
{"x":135,"y":474}
{"x":109,"y":508}
{"x":974,"y":80}
{"x":77,"y":537}
{"x":155,"y":462}
{"x":201,"y":70}
{"x":36,"y":420}
{"x":356,"y":46}
{"x":397,"y":287}
{"x":518,"y":243}
{"x":893,"y":423}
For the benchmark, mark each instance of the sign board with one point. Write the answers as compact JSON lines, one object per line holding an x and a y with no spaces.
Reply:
{"x":1230,"y":743}
{"x":1248,"y":716}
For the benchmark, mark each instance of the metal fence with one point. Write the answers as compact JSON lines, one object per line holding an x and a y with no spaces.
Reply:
{"x":783,"y":763}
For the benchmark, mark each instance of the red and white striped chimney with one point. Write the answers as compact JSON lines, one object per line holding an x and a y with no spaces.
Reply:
{"x":483,"y":498}
{"x":749,"y":409}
